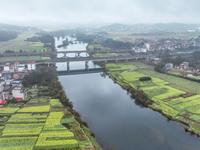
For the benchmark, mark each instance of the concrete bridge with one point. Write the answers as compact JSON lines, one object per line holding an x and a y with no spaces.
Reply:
{"x":76,"y":52}
{"x":86,"y":59}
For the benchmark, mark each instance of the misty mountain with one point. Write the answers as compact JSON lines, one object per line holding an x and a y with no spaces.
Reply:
{"x":15,"y":27}
{"x":169,"y":27}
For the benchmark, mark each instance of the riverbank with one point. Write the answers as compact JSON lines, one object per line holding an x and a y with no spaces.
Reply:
{"x":163,"y":93}
{"x":45,"y":120}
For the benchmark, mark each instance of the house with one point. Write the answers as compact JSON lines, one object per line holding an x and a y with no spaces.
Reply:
{"x":2,"y":83}
{"x":31,"y":66}
{"x":7,"y":67}
{"x":16,"y":65}
{"x":168,"y":66}
{"x":19,"y":92}
{"x":184,"y":66}
{"x":21,"y":67}
{"x":6,"y":92}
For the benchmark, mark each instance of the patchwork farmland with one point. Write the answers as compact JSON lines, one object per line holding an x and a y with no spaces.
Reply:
{"x":42,"y":123}
{"x":172,"y":99}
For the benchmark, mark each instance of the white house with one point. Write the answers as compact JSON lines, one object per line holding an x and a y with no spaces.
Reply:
{"x":6,"y":68}
{"x":21,"y":67}
{"x":31,"y":66}
{"x":19,"y":92}
{"x":2,"y":83}
{"x":16,"y":65}
{"x":184,"y":66}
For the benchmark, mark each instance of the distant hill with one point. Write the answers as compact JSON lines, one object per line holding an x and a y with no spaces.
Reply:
{"x":14,"y":27}
{"x":169,"y":27}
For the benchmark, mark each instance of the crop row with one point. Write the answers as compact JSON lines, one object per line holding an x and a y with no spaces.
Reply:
{"x":8,"y":110}
{"x":22,"y":129}
{"x":17,"y":143}
{"x":180,"y":100}
{"x":35,"y":109}
{"x":54,"y":135}
{"x":27,"y":118}
{"x":172,"y":92}
{"x":115,"y":67}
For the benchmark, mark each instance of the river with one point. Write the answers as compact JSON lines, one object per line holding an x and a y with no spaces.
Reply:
{"x":118,"y":121}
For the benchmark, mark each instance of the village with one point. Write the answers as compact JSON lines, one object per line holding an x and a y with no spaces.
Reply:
{"x":143,"y":45}
{"x":11,"y":76}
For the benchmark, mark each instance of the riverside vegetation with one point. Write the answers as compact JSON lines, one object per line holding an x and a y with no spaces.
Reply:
{"x":45,"y":120}
{"x":164,"y":93}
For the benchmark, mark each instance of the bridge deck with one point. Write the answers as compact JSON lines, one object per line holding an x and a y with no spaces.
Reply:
{"x":63,"y":52}
{"x":73,"y":59}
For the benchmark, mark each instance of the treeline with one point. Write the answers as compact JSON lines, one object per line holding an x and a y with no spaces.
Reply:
{"x":7,"y":35}
{"x":47,"y":76}
{"x":47,"y":39}
{"x":87,"y":38}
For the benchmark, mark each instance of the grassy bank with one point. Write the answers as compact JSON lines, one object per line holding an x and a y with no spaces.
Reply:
{"x":19,"y":58}
{"x":176,"y":98}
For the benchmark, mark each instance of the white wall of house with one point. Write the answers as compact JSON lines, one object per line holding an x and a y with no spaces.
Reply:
{"x":21,"y":67}
{"x":17,"y":93}
{"x":31,"y":66}
{"x":1,"y":86}
{"x":6,"y":68}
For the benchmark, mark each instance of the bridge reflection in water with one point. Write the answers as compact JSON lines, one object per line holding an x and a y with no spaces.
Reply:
{"x":79,"y":71}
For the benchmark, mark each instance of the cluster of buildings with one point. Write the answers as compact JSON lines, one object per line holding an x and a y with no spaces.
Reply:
{"x":172,"y":44}
{"x":11,"y":76}
{"x":181,"y":67}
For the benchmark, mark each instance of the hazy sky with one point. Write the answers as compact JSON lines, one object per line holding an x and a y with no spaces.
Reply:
{"x":36,"y":12}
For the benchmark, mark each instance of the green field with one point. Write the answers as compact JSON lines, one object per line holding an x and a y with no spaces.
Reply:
{"x":175,"y":97}
{"x":18,"y":43}
{"x":128,"y":35}
{"x":4,"y":59}
{"x":97,"y":47}
{"x":176,"y":82}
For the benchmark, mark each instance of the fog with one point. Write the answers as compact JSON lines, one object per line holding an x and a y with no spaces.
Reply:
{"x":63,"y":12}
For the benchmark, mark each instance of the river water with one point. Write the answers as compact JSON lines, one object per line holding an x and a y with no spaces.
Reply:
{"x":118,"y":121}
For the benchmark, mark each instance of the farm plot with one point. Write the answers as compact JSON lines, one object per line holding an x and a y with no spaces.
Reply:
{"x":133,"y":77}
{"x":120,"y":67}
{"x":27,"y":118}
{"x":35,"y":109}
{"x":22,"y":129}
{"x":8,"y":110}
{"x":17,"y":143}
{"x":172,"y":92}
{"x":55,"y":103}
{"x":180,"y":100}
{"x":53,"y":122}
{"x":54,"y":135}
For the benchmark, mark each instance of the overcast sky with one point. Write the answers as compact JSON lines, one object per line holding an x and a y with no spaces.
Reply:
{"x":44,"y":12}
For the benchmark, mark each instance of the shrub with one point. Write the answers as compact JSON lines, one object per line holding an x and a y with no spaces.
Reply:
{"x":145,"y":78}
